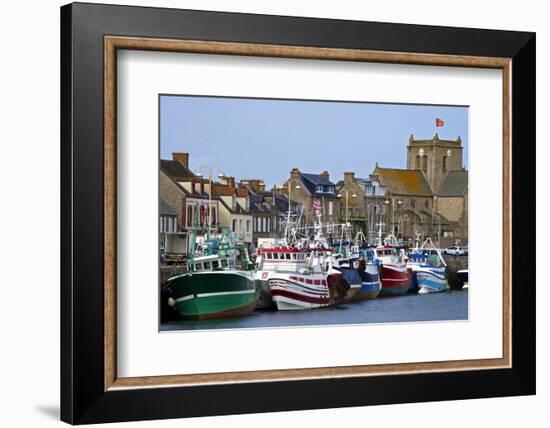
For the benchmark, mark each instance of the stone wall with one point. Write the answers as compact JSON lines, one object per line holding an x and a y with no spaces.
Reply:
{"x":451,"y":208}
{"x":173,"y":197}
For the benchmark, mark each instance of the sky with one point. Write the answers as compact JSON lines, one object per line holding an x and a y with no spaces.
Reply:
{"x":266,"y":138}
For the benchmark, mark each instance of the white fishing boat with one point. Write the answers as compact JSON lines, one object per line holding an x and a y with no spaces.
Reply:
{"x":298,"y":272}
{"x":298,"y":279}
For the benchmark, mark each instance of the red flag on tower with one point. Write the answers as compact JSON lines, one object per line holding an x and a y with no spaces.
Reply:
{"x":439,"y":122}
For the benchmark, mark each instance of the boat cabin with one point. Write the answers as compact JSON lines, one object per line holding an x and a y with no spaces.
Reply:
{"x":212,"y":263}
{"x":288,"y":259}
{"x":388,"y":254}
{"x":425,"y":257}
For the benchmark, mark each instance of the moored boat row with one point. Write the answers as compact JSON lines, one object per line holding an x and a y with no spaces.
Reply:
{"x":300,"y":271}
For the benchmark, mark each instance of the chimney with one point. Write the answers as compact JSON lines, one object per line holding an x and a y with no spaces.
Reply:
{"x":255,"y":184}
{"x":230,"y":181}
{"x":325,"y":174}
{"x":295,"y":173}
{"x":349,"y":177}
{"x":182,"y":158}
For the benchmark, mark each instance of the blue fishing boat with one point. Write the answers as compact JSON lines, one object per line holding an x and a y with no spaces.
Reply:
{"x":427,"y":268}
{"x":350,"y":275}
{"x":431,"y":279}
{"x":370,"y":276}
{"x":358,"y":267}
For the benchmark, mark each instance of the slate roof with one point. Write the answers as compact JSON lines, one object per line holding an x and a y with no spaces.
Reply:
{"x":256,"y":198}
{"x":281,"y":203}
{"x":257,"y":201}
{"x":454,"y":185}
{"x":404,"y":181}
{"x":317,"y":179}
{"x":175,"y":169}
{"x":165,"y":209}
{"x":311,"y":181}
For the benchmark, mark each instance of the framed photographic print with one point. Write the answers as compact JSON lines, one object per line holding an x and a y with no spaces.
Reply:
{"x":275,"y":213}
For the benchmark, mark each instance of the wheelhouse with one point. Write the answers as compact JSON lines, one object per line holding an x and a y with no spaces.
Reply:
{"x":213,"y":263}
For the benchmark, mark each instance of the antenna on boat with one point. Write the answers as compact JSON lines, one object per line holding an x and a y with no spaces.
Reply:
{"x":428,"y":243}
{"x":192,"y":250}
{"x":379,"y":237}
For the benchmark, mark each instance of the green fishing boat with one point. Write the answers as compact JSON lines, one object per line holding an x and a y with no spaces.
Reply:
{"x":220,"y":280}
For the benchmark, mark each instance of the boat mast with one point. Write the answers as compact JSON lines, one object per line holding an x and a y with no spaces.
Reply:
{"x":429,"y":244}
{"x":192,"y":249}
{"x":209,"y":213}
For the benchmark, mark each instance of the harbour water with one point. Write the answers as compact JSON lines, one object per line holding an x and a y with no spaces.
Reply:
{"x":447,"y":306}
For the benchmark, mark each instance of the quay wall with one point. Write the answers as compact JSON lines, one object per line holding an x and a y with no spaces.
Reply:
{"x":169,"y":271}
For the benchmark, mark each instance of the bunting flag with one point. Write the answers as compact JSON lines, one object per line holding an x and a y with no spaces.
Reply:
{"x":316,"y":205}
{"x":204,"y":213}
{"x":439,"y":122}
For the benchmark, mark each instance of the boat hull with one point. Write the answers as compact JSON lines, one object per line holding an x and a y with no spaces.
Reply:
{"x":266,"y":299}
{"x":370,"y":284}
{"x":414,"y":283}
{"x":395,"y":280}
{"x":463,"y":277}
{"x":294,"y":292}
{"x":211,"y":295}
{"x":431,"y":280}
{"x":353,"y":279}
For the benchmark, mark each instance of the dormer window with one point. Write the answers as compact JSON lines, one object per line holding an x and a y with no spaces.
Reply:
{"x":324,"y":189}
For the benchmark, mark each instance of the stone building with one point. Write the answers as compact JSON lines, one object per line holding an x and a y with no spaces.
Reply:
{"x":352,"y":192}
{"x":441,"y":162}
{"x":190,"y":196}
{"x":307,"y":188}
{"x":451,"y":201}
{"x":172,"y":240}
{"x":234,"y":211}
{"x":407,"y":203}
{"x":268,"y":209}
{"x":182,"y":191}
{"x":435,"y":158}
{"x":429,"y":197}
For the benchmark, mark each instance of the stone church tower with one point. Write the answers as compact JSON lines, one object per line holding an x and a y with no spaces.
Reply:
{"x":435,"y":158}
